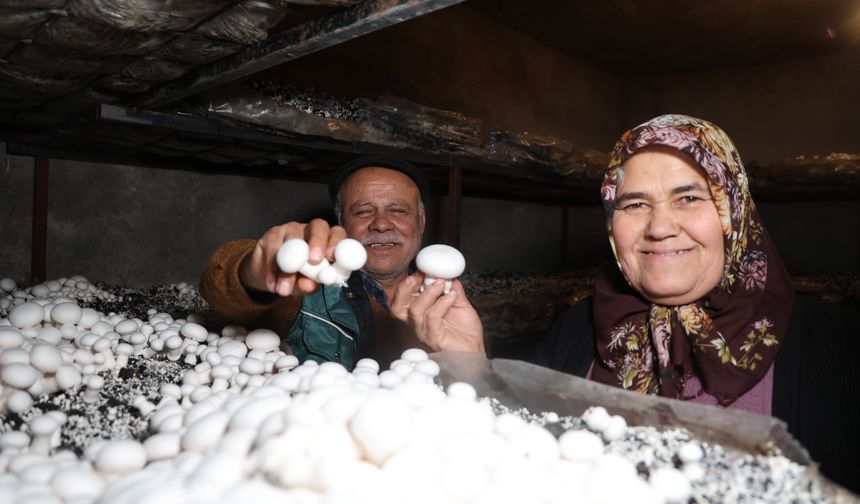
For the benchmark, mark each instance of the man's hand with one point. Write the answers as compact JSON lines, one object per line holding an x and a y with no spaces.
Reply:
{"x":259,"y":271}
{"x":441,"y":321}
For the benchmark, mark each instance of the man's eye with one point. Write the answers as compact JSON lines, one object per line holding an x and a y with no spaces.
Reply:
{"x":362,"y":213}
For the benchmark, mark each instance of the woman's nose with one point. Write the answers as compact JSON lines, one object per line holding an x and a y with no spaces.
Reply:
{"x":662,"y":222}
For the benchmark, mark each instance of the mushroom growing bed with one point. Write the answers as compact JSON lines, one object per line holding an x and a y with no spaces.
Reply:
{"x":110,"y":395}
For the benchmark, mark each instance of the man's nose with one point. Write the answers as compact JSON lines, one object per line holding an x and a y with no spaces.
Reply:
{"x":663,"y":222}
{"x":381,"y":222}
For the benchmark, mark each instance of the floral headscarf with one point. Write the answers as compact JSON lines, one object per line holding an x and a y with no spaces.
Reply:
{"x":729,"y":338}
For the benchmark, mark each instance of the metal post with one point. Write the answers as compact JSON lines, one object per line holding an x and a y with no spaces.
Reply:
{"x":39,"y":245}
{"x":455,"y":189}
{"x":565,"y":222}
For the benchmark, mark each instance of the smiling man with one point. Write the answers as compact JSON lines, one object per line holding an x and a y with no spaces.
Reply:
{"x":379,"y":202}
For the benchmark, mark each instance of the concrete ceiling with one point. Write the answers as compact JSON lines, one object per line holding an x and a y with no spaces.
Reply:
{"x":634,"y":38}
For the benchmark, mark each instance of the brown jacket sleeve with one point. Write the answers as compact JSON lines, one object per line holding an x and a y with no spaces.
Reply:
{"x":221,"y":288}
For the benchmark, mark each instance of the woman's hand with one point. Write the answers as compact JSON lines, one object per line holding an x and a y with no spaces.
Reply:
{"x":259,"y":270}
{"x":441,"y":321}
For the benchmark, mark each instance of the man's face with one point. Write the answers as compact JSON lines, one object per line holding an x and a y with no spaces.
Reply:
{"x":380,"y":208}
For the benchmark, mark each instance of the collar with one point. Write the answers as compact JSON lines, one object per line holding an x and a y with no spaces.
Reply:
{"x":374,"y":289}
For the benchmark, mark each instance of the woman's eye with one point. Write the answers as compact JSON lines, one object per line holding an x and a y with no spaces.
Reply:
{"x":690,"y":199}
{"x":634,"y":206}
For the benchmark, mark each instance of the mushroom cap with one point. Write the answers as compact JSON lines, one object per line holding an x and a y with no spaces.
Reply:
{"x":43,"y":425}
{"x":77,"y":482}
{"x":292,"y":255}
{"x":66,"y":313}
{"x":194,"y":331}
{"x":46,"y":358}
{"x":68,"y":376}
{"x":350,"y":254}
{"x":26,"y":315}
{"x":10,"y":337}
{"x":126,"y":326}
{"x":118,"y":457}
{"x":7,"y":284}
{"x":19,"y":402}
{"x":19,"y":375}
{"x":441,"y":261}
{"x":263,"y":339}
{"x":14,"y":440}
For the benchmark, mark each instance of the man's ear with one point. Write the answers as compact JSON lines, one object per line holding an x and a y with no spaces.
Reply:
{"x":423,"y":220}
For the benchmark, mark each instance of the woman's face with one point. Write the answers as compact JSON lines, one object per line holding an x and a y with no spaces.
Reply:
{"x":666,"y":229}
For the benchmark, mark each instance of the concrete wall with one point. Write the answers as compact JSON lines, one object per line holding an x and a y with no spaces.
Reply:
{"x":16,"y":216}
{"x":141,"y":226}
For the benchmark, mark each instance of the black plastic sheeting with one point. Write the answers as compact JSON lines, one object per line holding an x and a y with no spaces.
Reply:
{"x":122,"y":46}
{"x":396,"y":122}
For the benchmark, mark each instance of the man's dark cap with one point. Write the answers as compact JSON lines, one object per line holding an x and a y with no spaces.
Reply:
{"x":400,"y":165}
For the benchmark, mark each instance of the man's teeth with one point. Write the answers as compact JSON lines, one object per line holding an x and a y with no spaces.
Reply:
{"x":381,"y":245}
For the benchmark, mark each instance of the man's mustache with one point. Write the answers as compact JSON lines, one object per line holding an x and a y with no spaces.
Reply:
{"x":388,"y":237}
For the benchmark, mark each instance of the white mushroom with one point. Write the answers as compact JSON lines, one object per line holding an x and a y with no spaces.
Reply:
{"x":68,"y":376}
{"x":14,"y":442}
{"x":7,"y":285}
{"x":263,"y":339}
{"x":690,"y":453}
{"x":19,"y":375}
{"x":94,"y":387}
{"x":292,"y":257}
{"x":119,"y":457}
{"x":66,"y":313}
{"x":26,"y":315}
{"x":10,"y":337}
{"x":46,"y":358}
{"x":580,"y":446}
{"x":77,"y":482}
{"x":43,"y":429}
{"x":350,"y":255}
{"x":19,"y":402}
{"x":440,"y":262}
{"x":671,"y":484}
{"x":143,"y":405}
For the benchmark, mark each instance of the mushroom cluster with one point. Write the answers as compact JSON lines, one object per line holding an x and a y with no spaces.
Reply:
{"x":248,"y":422}
{"x":349,"y":255}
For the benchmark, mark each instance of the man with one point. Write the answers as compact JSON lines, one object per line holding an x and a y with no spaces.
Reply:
{"x":380,"y":203}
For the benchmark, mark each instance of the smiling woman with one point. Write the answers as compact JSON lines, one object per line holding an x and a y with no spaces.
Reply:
{"x":700,"y":306}
{"x":665,"y":230}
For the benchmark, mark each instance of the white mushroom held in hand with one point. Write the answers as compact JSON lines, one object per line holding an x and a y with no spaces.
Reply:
{"x":440,"y":262}
{"x":349,"y":254}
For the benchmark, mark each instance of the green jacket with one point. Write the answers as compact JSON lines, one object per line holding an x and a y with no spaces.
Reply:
{"x":326,"y":329}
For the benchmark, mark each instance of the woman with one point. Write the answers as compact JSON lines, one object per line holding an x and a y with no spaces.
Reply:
{"x":703,"y":308}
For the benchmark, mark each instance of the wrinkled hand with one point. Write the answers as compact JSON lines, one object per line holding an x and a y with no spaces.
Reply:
{"x":441,"y":321}
{"x":259,"y":270}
